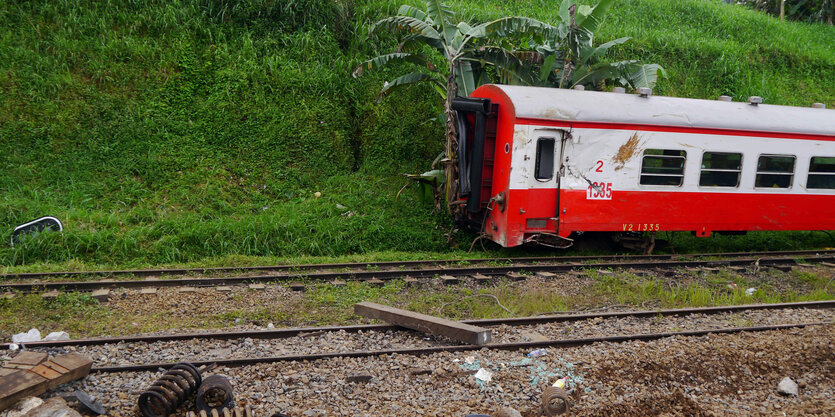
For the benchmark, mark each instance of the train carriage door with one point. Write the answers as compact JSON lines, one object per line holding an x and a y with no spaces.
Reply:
{"x":544,"y":184}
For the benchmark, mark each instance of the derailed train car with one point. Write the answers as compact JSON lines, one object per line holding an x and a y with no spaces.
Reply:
{"x":540,"y":164}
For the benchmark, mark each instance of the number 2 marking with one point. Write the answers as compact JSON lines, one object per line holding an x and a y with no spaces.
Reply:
{"x":599,"y":166}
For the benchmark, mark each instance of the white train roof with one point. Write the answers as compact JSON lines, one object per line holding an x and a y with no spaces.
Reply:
{"x":595,"y":106}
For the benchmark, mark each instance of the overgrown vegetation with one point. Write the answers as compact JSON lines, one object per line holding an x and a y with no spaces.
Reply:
{"x":197,"y":131}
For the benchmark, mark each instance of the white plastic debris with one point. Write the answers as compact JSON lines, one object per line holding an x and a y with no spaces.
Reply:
{"x":750,"y":291}
{"x":787,"y":387}
{"x":57,"y":336}
{"x":560,"y":383}
{"x":732,"y":285}
{"x":33,"y":335}
{"x":317,"y":194}
{"x":469,"y":360}
{"x":484,"y":375}
{"x":537,"y":353}
{"x":14,"y":346}
{"x":270,"y":326}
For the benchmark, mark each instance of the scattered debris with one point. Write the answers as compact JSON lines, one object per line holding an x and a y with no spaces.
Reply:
{"x":160,"y":399}
{"x":215,"y":393}
{"x":359,"y":378}
{"x":484,"y":375}
{"x":506,"y":412}
{"x":787,"y":387}
{"x":31,"y":374}
{"x":54,"y":336}
{"x":317,"y":194}
{"x":227,"y":412}
{"x":750,"y":291}
{"x":33,"y":335}
{"x":24,"y":406}
{"x":38,"y":225}
{"x":554,"y":401}
{"x":89,"y":403}
{"x":53,"y":407}
{"x":537,"y":353}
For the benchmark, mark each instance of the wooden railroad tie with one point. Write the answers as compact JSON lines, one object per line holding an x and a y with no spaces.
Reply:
{"x":454,"y":330}
{"x":31,"y":374}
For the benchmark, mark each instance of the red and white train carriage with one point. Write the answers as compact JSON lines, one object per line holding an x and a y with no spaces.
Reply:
{"x":538,"y":164}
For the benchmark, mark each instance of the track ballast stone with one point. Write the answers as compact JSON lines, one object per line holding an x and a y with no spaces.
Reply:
{"x":732,"y":374}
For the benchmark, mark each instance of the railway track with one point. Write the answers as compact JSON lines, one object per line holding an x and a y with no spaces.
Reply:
{"x":298,"y":268}
{"x":516,"y":271}
{"x":202,"y":338}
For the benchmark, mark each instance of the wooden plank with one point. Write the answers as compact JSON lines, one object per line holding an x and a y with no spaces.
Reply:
{"x":454,"y":330}
{"x":28,"y":358}
{"x":18,"y":386}
{"x":78,"y":365}
{"x":44,"y":376}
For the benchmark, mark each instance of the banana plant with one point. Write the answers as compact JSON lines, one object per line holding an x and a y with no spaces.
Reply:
{"x":574,"y":60}
{"x":467,"y":52}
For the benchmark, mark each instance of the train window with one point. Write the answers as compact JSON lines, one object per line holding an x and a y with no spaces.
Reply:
{"x":663,"y":167}
{"x":821,"y":173}
{"x":544,"y":159}
{"x":775,"y":171}
{"x":720,"y":169}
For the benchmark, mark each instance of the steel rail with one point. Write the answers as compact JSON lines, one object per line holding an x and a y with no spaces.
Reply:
{"x":395,"y":264}
{"x":517,"y":321}
{"x":558,"y":343}
{"x":386,"y":275}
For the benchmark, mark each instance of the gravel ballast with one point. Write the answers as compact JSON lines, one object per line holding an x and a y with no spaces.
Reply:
{"x":733,"y":374}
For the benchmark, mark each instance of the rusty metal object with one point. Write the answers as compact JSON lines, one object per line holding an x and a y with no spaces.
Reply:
{"x":226,"y":412}
{"x":170,"y":390}
{"x":554,"y":401}
{"x":214,"y":395}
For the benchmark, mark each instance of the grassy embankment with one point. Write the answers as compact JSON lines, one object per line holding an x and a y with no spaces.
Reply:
{"x":197,"y":132}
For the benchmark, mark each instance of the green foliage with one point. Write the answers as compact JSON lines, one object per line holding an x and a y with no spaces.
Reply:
{"x":194,"y":131}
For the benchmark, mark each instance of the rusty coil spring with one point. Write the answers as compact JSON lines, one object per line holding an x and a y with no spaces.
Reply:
{"x":554,"y":401}
{"x":224,"y":412}
{"x":170,"y":390}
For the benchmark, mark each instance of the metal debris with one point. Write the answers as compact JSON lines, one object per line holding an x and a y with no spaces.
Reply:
{"x":171,"y":390}
{"x":215,"y":393}
{"x":554,"y":401}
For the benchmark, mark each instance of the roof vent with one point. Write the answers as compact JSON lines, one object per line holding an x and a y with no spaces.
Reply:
{"x":619,"y":90}
{"x":644,"y":92}
{"x":579,"y":87}
{"x":818,"y":106}
{"x":725,"y":98}
{"x":755,"y":100}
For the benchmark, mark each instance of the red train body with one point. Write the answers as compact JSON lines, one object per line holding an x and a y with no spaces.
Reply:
{"x":538,"y":164}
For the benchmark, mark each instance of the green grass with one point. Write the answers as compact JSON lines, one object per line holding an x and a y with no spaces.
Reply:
{"x":196,"y":132}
